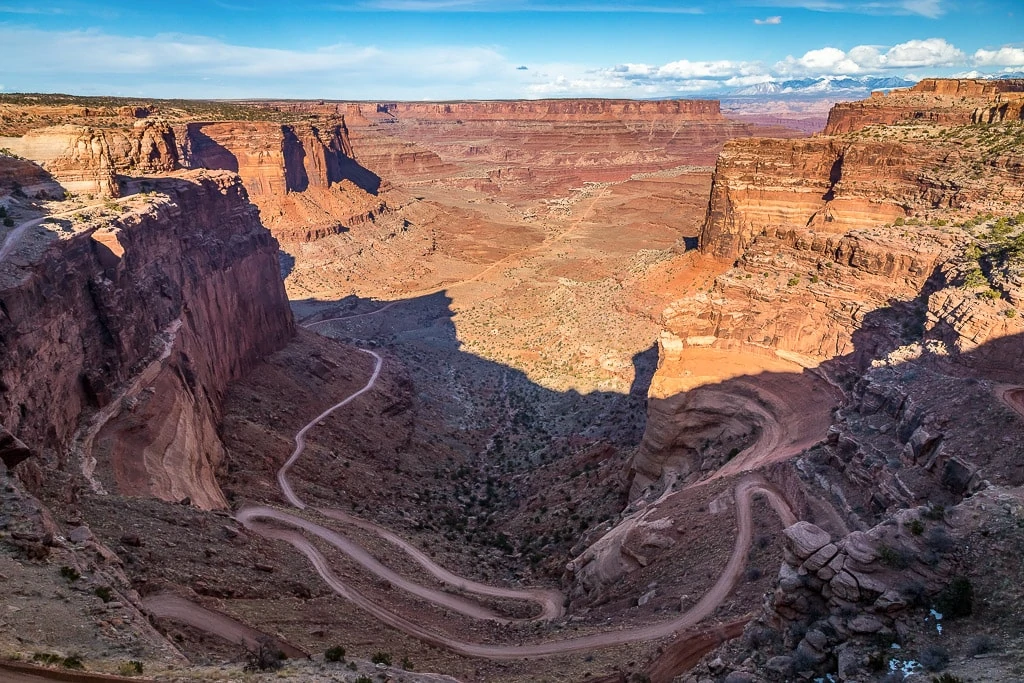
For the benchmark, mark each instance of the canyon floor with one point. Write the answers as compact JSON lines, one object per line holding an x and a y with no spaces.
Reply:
{"x":546,"y":421}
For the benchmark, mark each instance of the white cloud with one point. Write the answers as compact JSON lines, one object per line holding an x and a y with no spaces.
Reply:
{"x":933,"y":52}
{"x":824,"y":61}
{"x":925,"y":8}
{"x":769,"y":21}
{"x":1004,"y":56}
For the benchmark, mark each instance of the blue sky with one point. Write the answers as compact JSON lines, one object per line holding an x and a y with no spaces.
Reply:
{"x":448,"y":49}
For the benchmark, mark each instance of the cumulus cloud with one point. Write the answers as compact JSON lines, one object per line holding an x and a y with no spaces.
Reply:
{"x":913,"y":54}
{"x":1012,"y":57}
{"x":770,"y":21}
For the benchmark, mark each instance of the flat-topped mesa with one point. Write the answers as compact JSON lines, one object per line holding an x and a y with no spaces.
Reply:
{"x":815,"y":186}
{"x":303,"y":177}
{"x":122,"y":334}
{"x":554,"y":110}
{"x":86,"y":159}
{"x":939,"y":101}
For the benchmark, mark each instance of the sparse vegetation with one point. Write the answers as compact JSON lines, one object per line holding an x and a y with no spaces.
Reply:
{"x":104,"y":593}
{"x":70,"y":573}
{"x":335,"y":654}
{"x":957,"y":599}
{"x":915,"y":526}
{"x":132,"y":667}
{"x":265,"y":657}
{"x":381,"y":658}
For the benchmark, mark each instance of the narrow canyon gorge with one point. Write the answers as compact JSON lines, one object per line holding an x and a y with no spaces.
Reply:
{"x":560,"y":390}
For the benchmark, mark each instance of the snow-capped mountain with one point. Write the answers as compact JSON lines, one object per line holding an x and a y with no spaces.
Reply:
{"x":846,"y":85}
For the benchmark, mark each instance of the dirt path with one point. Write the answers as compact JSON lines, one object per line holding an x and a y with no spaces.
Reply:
{"x":170,"y":606}
{"x":349,"y":317}
{"x":17,"y":672}
{"x":300,"y":437}
{"x":1013,"y":397}
{"x":745,"y":492}
{"x":11,"y":240}
{"x":550,"y":601}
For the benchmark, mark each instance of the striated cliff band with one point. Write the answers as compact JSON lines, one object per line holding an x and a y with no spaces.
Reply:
{"x":618,"y":413}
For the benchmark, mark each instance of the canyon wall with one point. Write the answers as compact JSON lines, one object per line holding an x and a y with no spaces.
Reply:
{"x":833,"y":252}
{"x":550,"y":110}
{"x":303,"y":177}
{"x":88,"y":160}
{"x":946,"y":102}
{"x":121,"y":336}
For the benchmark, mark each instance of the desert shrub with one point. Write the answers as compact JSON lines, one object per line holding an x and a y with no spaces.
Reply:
{"x":335,"y":654}
{"x":1011,"y":313}
{"x":104,"y":593}
{"x":70,"y":573}
{"x":754,"y":573}
{"x":46,"y":658}
{"x":981,"y":644}
{"x":895,"y":558}
{"x":934,"y":512}
{"x":939,"y":541}
{"x":381,"y":658}
{"x":363,"y":679}
{"x":793,"y":282}
{"x":934,"y":658}
{"x":132,"y":667}
{"x":72,"y":662}
{"x":352,"y":666}
{"x":957,"y":599}
{"x":407,"y":664}
{"x":915,"y":527}
{"x":947,"y":678}
{"x":266,"y":657}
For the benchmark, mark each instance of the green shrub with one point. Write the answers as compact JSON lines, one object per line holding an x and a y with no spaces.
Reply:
{"x":1011,"y":313}
{"x":957,"y":599}
{"x":72,"y":662}
{"x":893,"y":557}
{"x":793,"y":282}
{"x":407,"y":663}
{"x":948,"y":678}
{"x":335,"y":654}
{"x":104,"y":593}
{"x":381,"y":658}
{"x":915,"y":527}
{"x":363,"y":679}
{"x":132,"y":667}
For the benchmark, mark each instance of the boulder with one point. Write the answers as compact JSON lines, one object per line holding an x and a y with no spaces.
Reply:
{"x":804,"y":539}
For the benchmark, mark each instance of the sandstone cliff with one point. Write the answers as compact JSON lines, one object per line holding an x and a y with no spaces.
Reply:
{"x":88,"y":160}
{"x":121,"y":334}
{"x":946,"y":102}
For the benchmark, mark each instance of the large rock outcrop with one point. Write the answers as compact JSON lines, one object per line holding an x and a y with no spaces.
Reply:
{"x":88,"y":160}
{"x":120,"y":338}
{"x":947,"y":102}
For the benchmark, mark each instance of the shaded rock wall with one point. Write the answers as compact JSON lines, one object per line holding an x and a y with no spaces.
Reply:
{"x":182,"y":295}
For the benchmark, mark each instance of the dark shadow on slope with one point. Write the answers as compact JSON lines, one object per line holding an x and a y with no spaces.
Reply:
{"x":644,"y":365}
{"x":205,"y":152}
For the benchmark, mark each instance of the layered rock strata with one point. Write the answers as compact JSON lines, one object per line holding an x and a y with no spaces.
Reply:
{"x":121,"y":336}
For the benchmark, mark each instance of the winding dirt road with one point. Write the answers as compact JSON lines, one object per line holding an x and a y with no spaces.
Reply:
{"x":550,"y":601}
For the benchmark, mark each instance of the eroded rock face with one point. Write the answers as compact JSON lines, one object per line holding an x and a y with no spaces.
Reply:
{"x":141,"y":321}
{"x":85,"y":159}
{"x":947,"y":102}
{"x":303,"y":177}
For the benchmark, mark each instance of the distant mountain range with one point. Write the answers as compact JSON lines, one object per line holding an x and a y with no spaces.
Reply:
{"x":824,"y":86}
